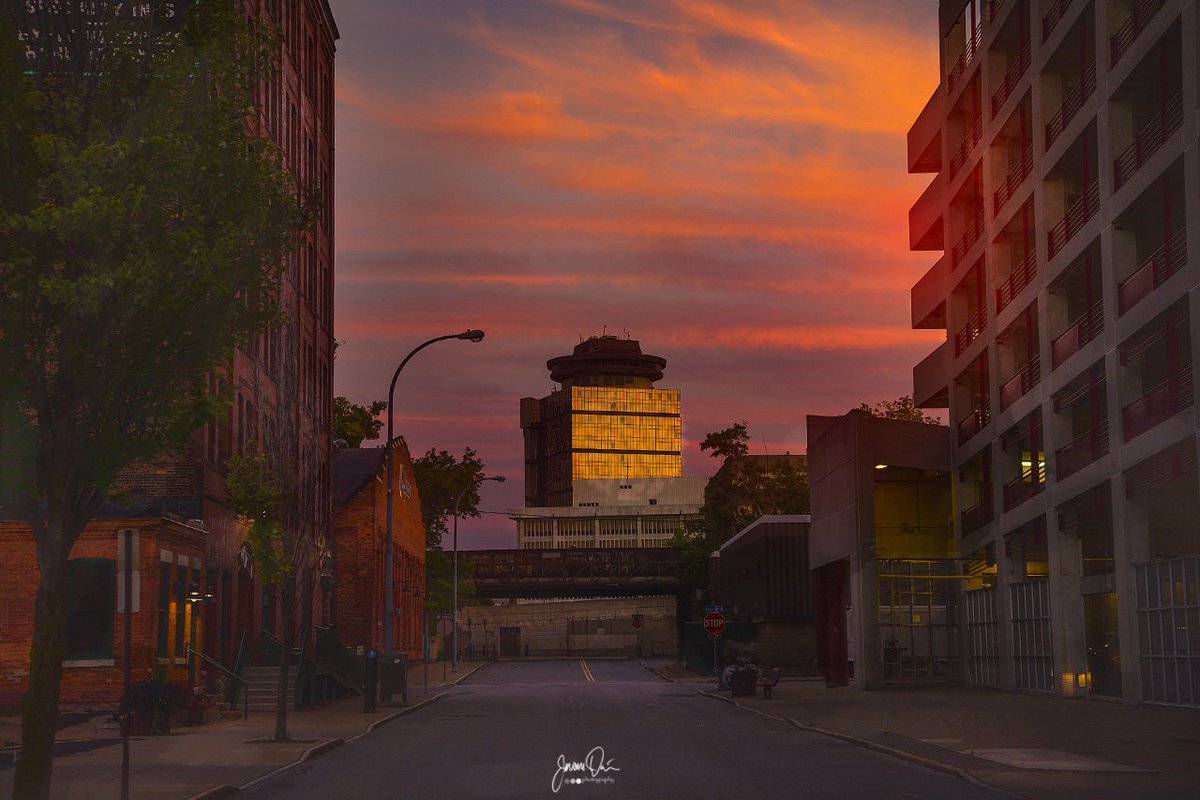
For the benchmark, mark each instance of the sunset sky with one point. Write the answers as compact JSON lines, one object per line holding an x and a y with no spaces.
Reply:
{"x":725,"y":182}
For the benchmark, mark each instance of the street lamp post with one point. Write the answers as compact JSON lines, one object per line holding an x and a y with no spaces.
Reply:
{"x":473,"y":335}
{"x":454,"y":611}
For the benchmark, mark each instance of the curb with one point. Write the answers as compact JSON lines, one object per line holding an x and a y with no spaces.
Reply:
{"x":316,"y":751}
{"x":407,"y":710}
{"x":903,"y":755}
{"x":466,"y":675}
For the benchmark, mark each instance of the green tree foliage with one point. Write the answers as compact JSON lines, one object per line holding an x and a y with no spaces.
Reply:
{"x":441,"y":479}
{"x":732,"y":442}
{"x":744,"y":488}
{"x":903,"y":408}
{"x":256,"y":491}
{"x":747,"y":487}
{"x":354,"y":423}
{"x":141,"y":233}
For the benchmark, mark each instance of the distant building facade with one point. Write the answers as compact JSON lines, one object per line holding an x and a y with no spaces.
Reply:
{"x":607,"y":421}
{"x":1065,"y":204}
{"x":614,"y":512}
{"x":886,"y":581}
{"x":761,"y":577}
{"x":359,"y":574}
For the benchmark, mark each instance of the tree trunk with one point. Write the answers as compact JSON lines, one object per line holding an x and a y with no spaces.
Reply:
{"x":39,"y":708}
{"x":287,"y":608}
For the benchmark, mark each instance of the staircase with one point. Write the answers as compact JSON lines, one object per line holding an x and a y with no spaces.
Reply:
{"x":260,"y":686}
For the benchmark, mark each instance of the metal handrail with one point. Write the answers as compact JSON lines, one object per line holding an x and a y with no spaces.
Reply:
{"x":218,"y":665}
{"x":301,"y":673}
{"x":237,"y":662}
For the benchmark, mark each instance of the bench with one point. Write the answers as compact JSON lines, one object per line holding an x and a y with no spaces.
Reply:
{"x":767,"y":682}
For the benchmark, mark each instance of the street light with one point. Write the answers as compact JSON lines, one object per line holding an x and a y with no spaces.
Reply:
{"x":454,"y":629}
{"x":473,"y":335}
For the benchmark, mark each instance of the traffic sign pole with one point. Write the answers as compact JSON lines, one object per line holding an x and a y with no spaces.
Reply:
{"x":714,"y":623}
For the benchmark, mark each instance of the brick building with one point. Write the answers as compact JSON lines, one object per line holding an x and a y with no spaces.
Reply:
{"x":359,"y":549}
{"x":189,"y":540}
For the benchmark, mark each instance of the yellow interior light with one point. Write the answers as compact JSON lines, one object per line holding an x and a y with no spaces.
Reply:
{"x":881,"y":466}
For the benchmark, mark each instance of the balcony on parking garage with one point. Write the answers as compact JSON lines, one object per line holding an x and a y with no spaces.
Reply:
{"x":1018,"y":357}
{"x":974,"y":487}
{"x":1156,"y":372}
{"x":1069,"y":78}
{"x":1014,"y":145}
{"x":1009,"y":55}
{"x":931,"y":378}
{"x":966,"y":218}
{"x":1076,"y":306}
{"x":1023,"y":461}
{"x":1147,"y":107}
{"x":926,"y":230}
{"x":925,"y":135}
{"x":1150,"y":239}
{"x":971,"y":392}
{"x":1081,"y":419}
{"x":1014,"y":256}
{"x":928,"y":296}
{"x":968,"y":308}
{"x":1072,"y":192}
{"x":1126,"y":31}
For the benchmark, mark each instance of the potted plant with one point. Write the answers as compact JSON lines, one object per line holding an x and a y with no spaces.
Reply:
{"x":150,"y":704}
{"x":742,"y":678}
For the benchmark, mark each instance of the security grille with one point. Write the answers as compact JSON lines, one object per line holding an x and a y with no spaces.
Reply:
{"x":1033,"y":652}
{"x":983,"y":638}
{"x":1168,"y":604}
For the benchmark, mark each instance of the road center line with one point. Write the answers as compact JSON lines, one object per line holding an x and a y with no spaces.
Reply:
{"x":587,"y":673}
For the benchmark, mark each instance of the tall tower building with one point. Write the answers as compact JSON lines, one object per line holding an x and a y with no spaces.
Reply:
{"x":607,"y":421}
{"x":1065,"y":209}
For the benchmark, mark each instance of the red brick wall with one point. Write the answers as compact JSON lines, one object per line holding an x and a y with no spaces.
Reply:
{"x":19,"y":575}
{"x":172,"y":475}
{"x":360,"y":534}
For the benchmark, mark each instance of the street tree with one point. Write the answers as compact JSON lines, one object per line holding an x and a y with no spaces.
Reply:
{"x":902,"y":408}
{"x":353,"y":423}
{"x":746,"y":487}
{"x":263,"y":494}
{"x":441,"y":479}
{"x":142,"y":225}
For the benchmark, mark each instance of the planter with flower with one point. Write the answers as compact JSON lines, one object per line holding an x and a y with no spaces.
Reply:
{"x":150,"y":704}
{"x":742,"y":679}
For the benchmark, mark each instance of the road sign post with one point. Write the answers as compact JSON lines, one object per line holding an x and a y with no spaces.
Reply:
{"x":714,"y":623}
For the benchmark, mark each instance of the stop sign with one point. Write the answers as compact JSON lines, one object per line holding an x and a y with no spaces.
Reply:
{"x":714,"y":623}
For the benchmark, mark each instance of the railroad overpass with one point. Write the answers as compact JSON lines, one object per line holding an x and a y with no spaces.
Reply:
{"x":579,"y":572}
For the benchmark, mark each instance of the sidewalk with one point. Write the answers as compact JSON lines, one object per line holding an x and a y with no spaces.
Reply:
{"x":194,"y":760}
{"x":1032,"y":745}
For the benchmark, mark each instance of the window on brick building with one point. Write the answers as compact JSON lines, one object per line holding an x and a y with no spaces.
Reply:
{"x":181,"y":581}
{"x":91,"y":603}
{"x":164,"y":609}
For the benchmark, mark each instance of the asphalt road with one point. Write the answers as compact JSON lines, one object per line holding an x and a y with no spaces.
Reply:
{"x":599,"y":729}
